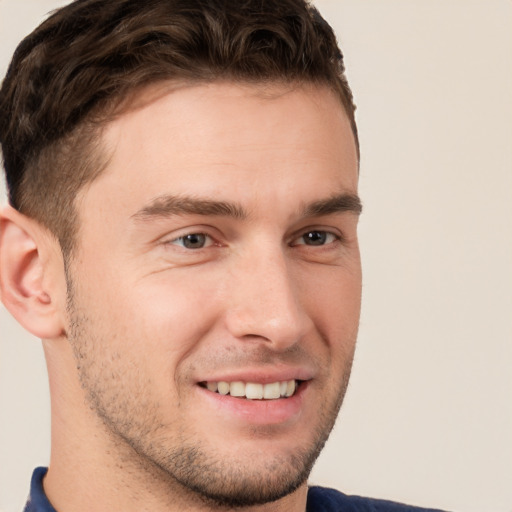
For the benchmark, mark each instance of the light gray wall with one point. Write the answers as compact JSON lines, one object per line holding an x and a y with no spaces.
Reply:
{"x":428,"y":418}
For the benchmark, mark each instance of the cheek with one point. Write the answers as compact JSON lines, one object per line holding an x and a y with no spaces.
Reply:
{"x":334,"y":304}
{"x":167,"y":312}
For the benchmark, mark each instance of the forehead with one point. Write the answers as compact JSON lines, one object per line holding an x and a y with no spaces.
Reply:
{"x":223,"y":138}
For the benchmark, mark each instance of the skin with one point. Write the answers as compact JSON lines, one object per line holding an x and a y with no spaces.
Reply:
{"x":141,"y":319}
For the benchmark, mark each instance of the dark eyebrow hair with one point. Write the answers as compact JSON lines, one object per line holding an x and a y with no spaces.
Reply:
{"x":335,"y":204}
{"x":168,"y":205}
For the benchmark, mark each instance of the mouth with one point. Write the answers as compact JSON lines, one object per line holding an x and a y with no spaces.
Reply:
{"x":254,"y":390}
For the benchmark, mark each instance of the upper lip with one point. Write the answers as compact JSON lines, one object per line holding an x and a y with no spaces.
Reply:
{"x":261,"y":375}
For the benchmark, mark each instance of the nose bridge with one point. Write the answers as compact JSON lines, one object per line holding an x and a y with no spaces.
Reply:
{"x":265,"y":299}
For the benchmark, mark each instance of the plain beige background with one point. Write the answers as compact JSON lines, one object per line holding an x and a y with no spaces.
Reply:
{"x":428,"y":417}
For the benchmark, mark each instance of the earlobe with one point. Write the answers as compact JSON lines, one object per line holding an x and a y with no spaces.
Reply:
{"x":24,"y":290}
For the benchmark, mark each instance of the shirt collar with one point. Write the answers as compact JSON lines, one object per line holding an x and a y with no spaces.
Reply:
{"x":37,"y":500}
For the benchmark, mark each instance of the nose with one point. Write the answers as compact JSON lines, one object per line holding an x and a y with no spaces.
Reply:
{"x":265,"y":301}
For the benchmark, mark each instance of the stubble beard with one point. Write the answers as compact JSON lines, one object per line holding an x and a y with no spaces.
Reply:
{"x":179,"y":461}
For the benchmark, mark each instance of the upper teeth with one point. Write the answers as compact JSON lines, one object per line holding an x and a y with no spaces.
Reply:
{"x":254,"y":390}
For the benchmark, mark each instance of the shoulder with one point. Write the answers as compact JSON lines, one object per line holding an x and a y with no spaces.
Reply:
{"x":322,"y":499}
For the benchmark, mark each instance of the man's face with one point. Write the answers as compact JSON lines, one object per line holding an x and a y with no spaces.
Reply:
{"x":218,"y":251}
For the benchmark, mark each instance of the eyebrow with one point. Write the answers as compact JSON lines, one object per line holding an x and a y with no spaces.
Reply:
{"x":169,"y":205}
{"x":336,"y":204}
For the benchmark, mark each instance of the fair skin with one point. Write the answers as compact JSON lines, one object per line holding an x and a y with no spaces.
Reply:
{"x":218,"y":246}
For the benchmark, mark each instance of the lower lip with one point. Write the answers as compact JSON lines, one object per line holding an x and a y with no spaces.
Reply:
{"x":258,"y":412}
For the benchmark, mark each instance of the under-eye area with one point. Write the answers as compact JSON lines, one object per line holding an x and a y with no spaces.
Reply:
{"x":254,"y":390}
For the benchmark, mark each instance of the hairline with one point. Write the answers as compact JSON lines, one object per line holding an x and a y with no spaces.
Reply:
{"x":96,"y":156}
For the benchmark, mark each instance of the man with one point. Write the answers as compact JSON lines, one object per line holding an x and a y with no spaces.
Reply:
{"x":182,"y":235}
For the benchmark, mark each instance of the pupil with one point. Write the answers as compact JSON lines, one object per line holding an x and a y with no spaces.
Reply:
{"x":315,"y":238}
{"x":194,"y":241}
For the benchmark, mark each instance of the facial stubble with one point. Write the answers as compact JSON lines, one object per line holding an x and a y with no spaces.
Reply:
{"x":179,"y":460}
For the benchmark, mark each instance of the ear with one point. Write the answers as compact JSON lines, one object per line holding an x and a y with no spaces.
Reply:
{"x":29,"y":264}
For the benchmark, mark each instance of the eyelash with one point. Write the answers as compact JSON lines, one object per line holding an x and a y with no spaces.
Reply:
{"x":324,"y":235}
{"x":183,"y":239}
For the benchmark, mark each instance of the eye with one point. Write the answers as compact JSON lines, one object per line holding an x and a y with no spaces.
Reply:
{"x":316,"y":237}
{"x":193,"y":241}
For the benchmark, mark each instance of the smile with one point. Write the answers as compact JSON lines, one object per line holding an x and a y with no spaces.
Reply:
{"x":254,"y":390}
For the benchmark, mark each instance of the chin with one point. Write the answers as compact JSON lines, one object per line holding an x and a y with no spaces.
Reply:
{"x":243,"y":483}
{"x":251,"y":475}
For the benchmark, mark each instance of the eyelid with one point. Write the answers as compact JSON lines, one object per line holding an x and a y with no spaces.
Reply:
{"x":329,"y":231}
{"x":179,"y":234}
{"x":210,"y":241}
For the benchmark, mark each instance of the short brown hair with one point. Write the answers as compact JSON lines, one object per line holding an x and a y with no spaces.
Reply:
{"x":72,"y":72}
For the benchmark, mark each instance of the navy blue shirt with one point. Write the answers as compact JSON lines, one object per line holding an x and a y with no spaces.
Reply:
{"x":320,"y":499}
